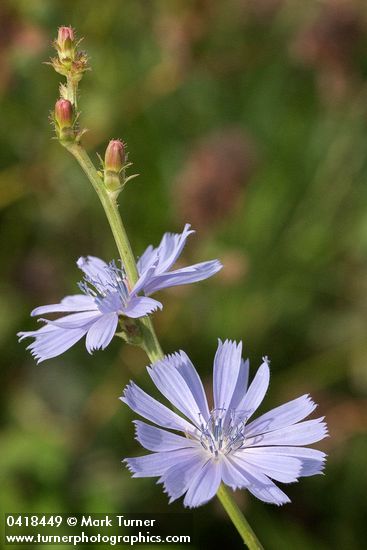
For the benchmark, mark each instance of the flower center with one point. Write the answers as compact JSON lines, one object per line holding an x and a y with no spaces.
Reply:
{"x":110,"y":291}
{"x":223,"y":433}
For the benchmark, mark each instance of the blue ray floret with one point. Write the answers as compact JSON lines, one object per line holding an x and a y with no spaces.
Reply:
{"x":154,"y":266}
{"x":107,"y":294}
{"x":222,"y":444}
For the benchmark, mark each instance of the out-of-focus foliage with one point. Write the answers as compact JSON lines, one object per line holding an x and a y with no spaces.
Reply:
{"x":249,"y":119}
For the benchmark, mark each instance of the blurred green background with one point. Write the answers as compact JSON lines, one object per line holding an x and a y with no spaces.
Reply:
{"x":248,"y":119}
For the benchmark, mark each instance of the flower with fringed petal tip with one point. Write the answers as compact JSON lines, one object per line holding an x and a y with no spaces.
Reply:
{"x":107,"y":295}
{"x":95,"y":313}
{"x":222,"y":444}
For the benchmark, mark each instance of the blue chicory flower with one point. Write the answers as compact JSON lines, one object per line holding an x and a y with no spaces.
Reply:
{"x":221,"y":445}
{"x":107,"y":294}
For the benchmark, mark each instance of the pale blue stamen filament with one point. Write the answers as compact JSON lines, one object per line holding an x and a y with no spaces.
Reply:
{"x":108,"y":295}
{"x":221,"y":434}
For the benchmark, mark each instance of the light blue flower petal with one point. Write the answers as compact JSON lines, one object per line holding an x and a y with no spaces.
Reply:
{"x":186,"y":275}
{"x":78,"y":302}
{"x":234,"y":477}
{"x":177,"y":479}
{"x":173,"y":386}
{"x":166,"y":253}
{"x":255,"y":393}
{"x":147,"y":259}
{"x":171,"y":247}
{"x":101,"y":332}
{"x":51,"y":341}
{"x":155,"y":464}
{"x":267,"y":491}
{"x":312,"y":460}
{"x":75,"y":320}
{"x":204,"y":485}
{"x":152,"y":410}
{"x":155,"y":263}
{"x":227,"y":364}
{"x":181,"y":362}
{"x":257,"y":483}
{"x":282,"y":416}
{"x":139,"y":306}
{"x":286,"y":469}
{"x":303,"y":433}
{"x":156,"y":439}
{"x":31,"y":333}
{"x":241,"y":385}
{"x":143,"y":280}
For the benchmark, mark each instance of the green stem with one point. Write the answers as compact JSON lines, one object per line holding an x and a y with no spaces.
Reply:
{"x":150,"y":341}
{"x":72,"y":91}
{"x":238,"y":519}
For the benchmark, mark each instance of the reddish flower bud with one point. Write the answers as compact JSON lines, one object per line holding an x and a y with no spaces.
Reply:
{"x":64,"y":113}
{"x":65,"y":43}
{"x":115,"y":156}
{"x":65,"y":33}
{"x":64,"y":120}
{"x":114,"y":162}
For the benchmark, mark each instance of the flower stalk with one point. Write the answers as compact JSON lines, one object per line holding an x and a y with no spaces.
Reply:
{"x":238,"y":519}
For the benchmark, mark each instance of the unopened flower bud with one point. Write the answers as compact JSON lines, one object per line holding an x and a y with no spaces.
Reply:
{"x":64,"y":113}
{"x":115,"y":156}
{"x":66,"y":43}
{"x":64,"y":119}
{"x":70,"y":61}
{"x":114,"y":162}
